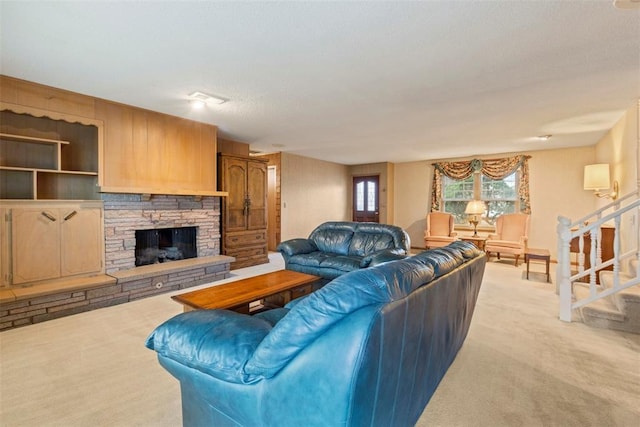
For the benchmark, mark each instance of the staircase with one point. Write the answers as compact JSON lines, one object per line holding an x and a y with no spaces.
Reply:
{"x":619,"y":311}
{"x":614,"y":302}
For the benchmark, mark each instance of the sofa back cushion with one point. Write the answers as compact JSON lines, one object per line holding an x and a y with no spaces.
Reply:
{"x":363,"y":244}
{"x":333,"y":237}
{"x":358,"y":238}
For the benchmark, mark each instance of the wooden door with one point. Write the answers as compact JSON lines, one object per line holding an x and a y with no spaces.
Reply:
{"x":35,"y":235}
{"x":81,"y":246}
{"x":257,"y":195}
{"x":235,"y":182}
{"x":366,"y":199}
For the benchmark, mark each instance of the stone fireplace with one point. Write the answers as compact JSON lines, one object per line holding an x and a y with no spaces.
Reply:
{"x":160,"y":245}
{"x":124,"y":214}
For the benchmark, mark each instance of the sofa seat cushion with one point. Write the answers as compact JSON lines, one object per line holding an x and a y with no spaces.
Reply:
{"x":327,"y":260}
{"x":342,"y":262}
{"x":216,"y":342}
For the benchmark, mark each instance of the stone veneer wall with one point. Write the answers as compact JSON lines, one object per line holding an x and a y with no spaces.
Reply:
{"x":125,"y":213}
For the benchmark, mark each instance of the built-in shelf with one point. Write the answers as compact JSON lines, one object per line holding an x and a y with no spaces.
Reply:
{"x":8,"y":136}
{"x":46,"y":159}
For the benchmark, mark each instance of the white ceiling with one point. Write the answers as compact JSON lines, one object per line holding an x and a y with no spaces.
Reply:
{"x":348,"y":82}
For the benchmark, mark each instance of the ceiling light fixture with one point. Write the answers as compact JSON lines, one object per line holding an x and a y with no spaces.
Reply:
{"x":200,"y":99}
{"x":544,"y":137}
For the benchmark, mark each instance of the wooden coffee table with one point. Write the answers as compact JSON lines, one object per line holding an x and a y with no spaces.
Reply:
{"x":240,"y":294}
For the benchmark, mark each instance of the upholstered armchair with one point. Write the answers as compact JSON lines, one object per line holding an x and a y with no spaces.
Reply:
{"x":512,"y":233}
{"x":439,"y":230}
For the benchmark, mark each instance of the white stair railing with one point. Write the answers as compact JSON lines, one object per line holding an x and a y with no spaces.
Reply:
{"x":626,"y":208}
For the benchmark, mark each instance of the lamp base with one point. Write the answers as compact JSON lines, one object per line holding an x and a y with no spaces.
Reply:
{"x":475,"y":227}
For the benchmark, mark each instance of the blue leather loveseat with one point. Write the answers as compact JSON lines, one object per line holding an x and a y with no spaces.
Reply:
{"x":338,"y":247}
{"x":367,"y":349}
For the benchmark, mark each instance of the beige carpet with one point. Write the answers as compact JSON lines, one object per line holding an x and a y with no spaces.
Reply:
{"x":520,"y":366}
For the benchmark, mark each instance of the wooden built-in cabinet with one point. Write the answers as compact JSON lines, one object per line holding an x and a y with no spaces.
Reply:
{"x":149,"y":152}
{"x":51,"y":218}
{"x":139,"y":152}
{"x":244,"y":210}
{"x":50,"y":240}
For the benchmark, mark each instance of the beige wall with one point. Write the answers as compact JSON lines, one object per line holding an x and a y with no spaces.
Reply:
{"x":313,"y":191}
{"x":319,"y":191}
{"x":555,"y":187}
{"x":620,"y":147}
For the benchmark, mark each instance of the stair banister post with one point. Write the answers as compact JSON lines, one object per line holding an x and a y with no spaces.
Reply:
{"x":563,"y":272}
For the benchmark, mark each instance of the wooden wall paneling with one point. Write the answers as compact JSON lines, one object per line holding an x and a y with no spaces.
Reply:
{"x":118,"y":143}
{"x":208,"y":163}
{"x":147,"y":129}
{"x":45,"y":97}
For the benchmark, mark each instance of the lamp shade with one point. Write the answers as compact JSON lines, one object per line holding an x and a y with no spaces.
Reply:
{"x":596,"y":177}
{"x":475,"y":207}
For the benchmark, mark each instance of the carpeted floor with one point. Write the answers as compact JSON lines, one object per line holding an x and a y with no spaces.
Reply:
{"x":520,"y":366}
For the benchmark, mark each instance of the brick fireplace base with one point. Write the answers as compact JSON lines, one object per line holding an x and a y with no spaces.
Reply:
{"x":28,"y":305}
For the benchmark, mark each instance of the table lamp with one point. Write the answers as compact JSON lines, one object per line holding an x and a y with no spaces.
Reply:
{"x":474,"y":209}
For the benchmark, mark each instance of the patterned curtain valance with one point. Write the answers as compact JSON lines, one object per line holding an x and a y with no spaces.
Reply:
{"x":492,"y":168}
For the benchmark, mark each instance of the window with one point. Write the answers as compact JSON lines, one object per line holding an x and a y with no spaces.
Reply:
{"x":499,"y":195}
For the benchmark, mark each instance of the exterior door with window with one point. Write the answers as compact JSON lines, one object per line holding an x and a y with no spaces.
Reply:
{"x":366,"y":206}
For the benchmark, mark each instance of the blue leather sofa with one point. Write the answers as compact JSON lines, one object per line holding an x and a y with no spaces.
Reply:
{"x":338,"y":247}
{"x":367,"y":349}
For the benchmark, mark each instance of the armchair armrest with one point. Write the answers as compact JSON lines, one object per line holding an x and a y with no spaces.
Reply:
{"x":215,"y":342}
{"x":382,"y":256}
{"x":293,"y":247}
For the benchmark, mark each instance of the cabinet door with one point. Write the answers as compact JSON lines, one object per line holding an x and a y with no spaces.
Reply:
{"x":80,"y":241}
{"x":35,"y":245}
{"x":235,"y":182}
{"x":257,"y":191}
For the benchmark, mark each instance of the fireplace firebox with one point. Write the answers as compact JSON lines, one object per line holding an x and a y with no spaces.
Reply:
{"x":165,"y":244}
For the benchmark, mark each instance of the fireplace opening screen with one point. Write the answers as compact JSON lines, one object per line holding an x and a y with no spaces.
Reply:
{"x":165,"y":244}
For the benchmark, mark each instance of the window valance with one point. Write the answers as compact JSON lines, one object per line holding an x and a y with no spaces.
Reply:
{"x":492,"y":168}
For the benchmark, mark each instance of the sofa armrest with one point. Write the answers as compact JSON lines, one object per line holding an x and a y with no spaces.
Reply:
{"x":293,"y":247}
{"x":215,"y":342}
{"x":384,"y":255}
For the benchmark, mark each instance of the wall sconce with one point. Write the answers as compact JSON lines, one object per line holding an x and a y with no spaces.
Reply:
{"x":475,"y":208}
{"x":596,"y":178}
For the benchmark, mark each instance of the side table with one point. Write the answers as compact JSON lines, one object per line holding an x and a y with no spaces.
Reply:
{"x":479,"y":241}
{"x":543,"y":254}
